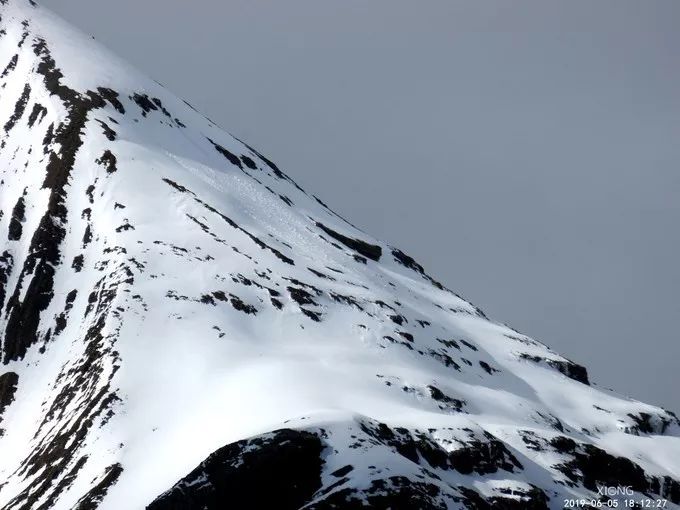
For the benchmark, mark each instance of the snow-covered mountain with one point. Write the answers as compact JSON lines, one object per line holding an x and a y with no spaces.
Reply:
{"x":183,"y":327}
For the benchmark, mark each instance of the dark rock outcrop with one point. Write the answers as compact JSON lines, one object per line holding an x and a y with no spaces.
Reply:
{"x":279,"y":470}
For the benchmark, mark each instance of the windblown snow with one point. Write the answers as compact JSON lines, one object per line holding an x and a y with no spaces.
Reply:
{"x":183,"y":326}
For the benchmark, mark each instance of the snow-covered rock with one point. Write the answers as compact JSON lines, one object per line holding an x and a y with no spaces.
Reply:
{"x":183,"y":326}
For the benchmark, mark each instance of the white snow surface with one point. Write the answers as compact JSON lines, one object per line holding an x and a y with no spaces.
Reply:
{"x":193,"y":350}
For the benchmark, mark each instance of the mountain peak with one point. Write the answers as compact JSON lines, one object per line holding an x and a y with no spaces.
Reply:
{"x":180,"y":321}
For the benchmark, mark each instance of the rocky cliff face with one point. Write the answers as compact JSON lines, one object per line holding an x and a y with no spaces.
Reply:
{"x":183,"y":326}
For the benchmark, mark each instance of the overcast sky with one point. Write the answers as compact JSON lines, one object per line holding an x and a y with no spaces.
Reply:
{"x":527,"y":153}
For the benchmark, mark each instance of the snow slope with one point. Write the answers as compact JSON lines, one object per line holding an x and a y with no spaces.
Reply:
{"x":182,"y":324}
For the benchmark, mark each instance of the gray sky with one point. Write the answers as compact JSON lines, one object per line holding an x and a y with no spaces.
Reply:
{"x":527,"y":152}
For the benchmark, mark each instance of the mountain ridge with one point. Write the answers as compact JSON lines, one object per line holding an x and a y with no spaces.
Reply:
{"x":179,"y":318}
